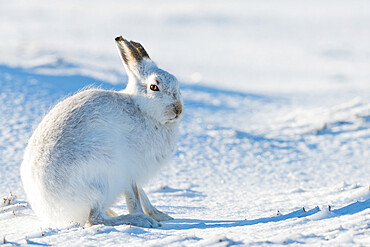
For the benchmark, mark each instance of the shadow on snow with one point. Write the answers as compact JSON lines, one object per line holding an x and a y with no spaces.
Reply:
{"x":73,"y":83}
{"x":183,"y":224}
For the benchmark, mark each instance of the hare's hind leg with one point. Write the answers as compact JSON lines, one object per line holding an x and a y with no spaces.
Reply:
{"x":98,"y":216}
{"x":136,"y":216}
{"x":149,"y":209}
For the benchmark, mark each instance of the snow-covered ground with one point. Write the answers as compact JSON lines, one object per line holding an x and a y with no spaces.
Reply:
{"x":275,"y":142}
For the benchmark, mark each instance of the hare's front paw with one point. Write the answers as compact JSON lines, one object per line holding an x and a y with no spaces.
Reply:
{"x":140,"y":219}
{"x":159,"y":216}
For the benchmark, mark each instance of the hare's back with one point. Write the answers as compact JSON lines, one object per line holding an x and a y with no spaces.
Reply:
{"x":82,"y":126}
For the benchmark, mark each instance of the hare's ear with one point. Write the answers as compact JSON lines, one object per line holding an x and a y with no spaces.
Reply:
{"x":140,"y":49}
{"x":130,"y":55}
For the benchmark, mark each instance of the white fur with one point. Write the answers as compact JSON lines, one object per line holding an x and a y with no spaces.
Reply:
{"x":98,"y":144}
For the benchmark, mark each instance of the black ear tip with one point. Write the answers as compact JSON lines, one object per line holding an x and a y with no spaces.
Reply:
{"x":119,"y":38}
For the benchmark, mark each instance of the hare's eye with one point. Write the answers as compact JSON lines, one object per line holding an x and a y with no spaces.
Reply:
{"x":154,"y":87}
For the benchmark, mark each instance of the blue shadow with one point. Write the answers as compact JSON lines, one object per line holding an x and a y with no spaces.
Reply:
{"x":183,"y":224}
{"x":55,"y":83}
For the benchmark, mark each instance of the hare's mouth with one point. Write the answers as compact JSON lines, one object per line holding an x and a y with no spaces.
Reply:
{"x":174,"y":119}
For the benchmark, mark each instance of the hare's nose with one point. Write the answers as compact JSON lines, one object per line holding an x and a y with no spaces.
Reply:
{"x":177,"y":109}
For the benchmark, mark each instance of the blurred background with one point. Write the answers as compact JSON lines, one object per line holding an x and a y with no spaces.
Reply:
{"x":256,"y":46}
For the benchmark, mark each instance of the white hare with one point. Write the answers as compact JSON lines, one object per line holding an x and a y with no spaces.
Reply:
{"x":98,"y":144}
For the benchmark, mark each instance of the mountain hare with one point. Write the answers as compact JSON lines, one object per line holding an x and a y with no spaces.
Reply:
{"x":98,"y":144}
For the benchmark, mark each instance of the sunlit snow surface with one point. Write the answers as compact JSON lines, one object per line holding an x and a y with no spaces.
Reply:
{"x":276,"y":126}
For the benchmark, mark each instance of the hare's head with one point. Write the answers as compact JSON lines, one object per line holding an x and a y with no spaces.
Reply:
{"x":156,"y":91}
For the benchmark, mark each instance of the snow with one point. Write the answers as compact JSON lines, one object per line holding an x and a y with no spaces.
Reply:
{"x":276,"y":127}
